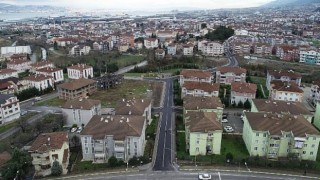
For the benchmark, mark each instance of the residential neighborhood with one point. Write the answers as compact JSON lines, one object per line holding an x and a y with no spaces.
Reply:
{"x":178,"y":94}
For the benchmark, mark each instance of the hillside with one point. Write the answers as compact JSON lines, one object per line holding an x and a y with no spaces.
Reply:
{"x":281,"y":3}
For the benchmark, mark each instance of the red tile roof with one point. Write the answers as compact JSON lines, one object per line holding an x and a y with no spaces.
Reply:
{"x":49,"y":141}
{"x":5,"y":71}
{"x":202,"y":74}
{"x":208,"y":87}
{"x":235,"y":70}
{"x":242,"y":87}
{"x":285,"y":86}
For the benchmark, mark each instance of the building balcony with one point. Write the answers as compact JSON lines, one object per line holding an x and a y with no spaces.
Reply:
{"x":118,"y":149}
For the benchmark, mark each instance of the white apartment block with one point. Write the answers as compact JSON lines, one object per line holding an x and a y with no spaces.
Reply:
{"x":122,"y":136}
{"x":9,"y":108}
{"x":19,"y":65}
{"x":80,"y":71}
{"x":151,"y":43}
{"x":39,"y":81}
{"x":172,"y":49}
{"x":15,"y":50}
{"x":212,"y":49}
{"x":285,"y":91}
{"x":228,"y":75}
{"x":188,"y":50}
{"x":284,"y":76}
{"x":7,"y":73}
{"x":80,"y":111}
{"x":55,"y":73}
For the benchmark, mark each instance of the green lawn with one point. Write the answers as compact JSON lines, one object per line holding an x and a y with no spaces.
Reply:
{"x":51,"y":102}
{"x":88,"y":166}
{"x":152,"y":128}
{"x":7,"y":126}
{"x":262,"y":81}
{"x":127,"y":89}
{"x":142,"y":74}
{"x":13,"y":124}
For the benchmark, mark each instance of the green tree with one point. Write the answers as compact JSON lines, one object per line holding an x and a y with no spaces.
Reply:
{"x":220,"y":34}
{"x":240,"y":104}
{"x":55,"y":45}
{"x":133,"y":161}
{"x":18,"y":166}
{"x":247,"y":104}
{"x":229,"y":157}
{"x":113,"y":161}
{"x":56,"y":169}
{"x":203,"y":25}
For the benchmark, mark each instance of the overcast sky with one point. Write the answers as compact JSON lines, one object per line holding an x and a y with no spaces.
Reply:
{"x":143,"y":4}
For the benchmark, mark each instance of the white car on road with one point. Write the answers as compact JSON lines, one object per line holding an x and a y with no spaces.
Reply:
{"x":224,"y":120}
{"x":204,"y":176}
{"x":228,"y":129}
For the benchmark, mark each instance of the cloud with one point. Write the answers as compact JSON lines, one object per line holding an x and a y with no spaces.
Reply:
{"x":143,"y":4}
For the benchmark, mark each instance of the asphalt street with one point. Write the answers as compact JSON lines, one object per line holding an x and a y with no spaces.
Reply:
{"x":234,"y":120}
{"x":163,"y":161}
{"x":215,"y":175}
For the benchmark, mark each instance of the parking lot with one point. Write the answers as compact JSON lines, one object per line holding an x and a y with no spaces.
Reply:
{"x":234,"y":120}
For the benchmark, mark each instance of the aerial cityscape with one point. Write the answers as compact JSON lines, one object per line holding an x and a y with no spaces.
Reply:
{"x":190,"y":89}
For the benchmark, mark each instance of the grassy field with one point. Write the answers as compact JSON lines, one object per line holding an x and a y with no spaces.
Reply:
{"x":262,"y":81}
{"x":126,"y":60}
{"x":51,"y":102}
{"x":142,"y":74}
{"x":128,"y":89}
{"x":13,"y":124}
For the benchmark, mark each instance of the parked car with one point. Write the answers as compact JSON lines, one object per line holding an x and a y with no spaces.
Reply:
{"x":224,"y":120}
{"x":79,"y":130}
{"x":22,"y":113}
{"x":73,"y":129}
{"x":204,"y":176}
{"x":224,"y":115}
{"x":228,"y":129}
{"x":38,"y":98}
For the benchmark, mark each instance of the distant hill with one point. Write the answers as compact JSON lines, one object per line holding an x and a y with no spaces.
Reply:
{"x":11,"y":7}
{"x":317,"y":10}
{"x":281,"y":3}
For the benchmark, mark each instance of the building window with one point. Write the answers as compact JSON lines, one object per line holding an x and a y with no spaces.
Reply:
{"x":311,"y":153}
{"x":304,"y":152}
{"x":86,"y":150}
{"x":197,"y":149}
{"x":256,"y":148}
{"x":313,"y":146}
{"x":314,"y":138}
{"x":264,"y":134}
{"x":305,"y":145}
{"x":257,"y":134}
{"x":257,"y":141}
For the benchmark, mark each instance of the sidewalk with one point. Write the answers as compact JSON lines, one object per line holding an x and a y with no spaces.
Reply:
{"x":243,"y":169}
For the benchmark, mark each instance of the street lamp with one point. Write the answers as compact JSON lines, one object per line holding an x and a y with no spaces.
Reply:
{"x":127,"y":165}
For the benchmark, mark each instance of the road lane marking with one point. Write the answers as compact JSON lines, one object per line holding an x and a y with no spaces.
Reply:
{"x":219,"y":175}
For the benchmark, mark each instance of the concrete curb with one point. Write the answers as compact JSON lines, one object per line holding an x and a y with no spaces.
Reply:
{"x":254,"y":172}
{"x":96,"y":174}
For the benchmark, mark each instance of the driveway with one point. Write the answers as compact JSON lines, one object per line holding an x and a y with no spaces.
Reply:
{"x":306,"y":96}
{"x":234,"y":119}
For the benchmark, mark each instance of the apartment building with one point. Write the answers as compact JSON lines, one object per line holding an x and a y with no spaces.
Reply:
{"x":203,"y":133}
{"x":187,"y":50}
{"x":195,"y":75}
{"x":47,"y":148}
{"x":315,"y":92}
{"x":316,"y":121}
{"x":41,"y":65}
{"x":283,"y":75}
{"x":76,"y":89}
{"x":15,"y":50}
{"x":19,"y":65}
{"x":227,"y":75}
{"x":287,"y":53}
{"x":80,"y":50}
{"x":172,"y":49}
{"x":310,"y":57}
{"x":55,"y":73}
{"x":136,"y":107}
{"x":241,"y":92}
{"x":281,"y":107}
{"x":279,"y":136}
{"x":285,"y":91}
{"x":203,"y":104}
{"x":212,"y":49}
{"x":80,"y":71}
{"x":39,"y":81}
{"x":151,"y":43}
{"x":202,"y":89}
{"x":9,"y":108}
{"x":122,"y":136}
{"x":241,"y":48}
{"x":80,"y":111}
{"x":7,"y":73}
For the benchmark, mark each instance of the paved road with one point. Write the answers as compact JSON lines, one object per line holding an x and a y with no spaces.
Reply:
{"x":164,"y":156}
{"x":216,"y":175}
{"x":234,"y":119}
{"x":232,"y":60}
{"x":129,"y":68}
